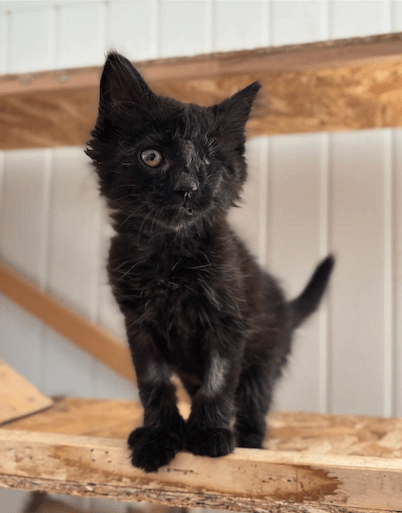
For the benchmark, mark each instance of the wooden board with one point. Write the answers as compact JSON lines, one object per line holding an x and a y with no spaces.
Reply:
{"x":18,"y":397}
{"x":307,"y":456}
{"x":335,"y":85}
{"x":343,"y":435}
{"x":243,"y":481}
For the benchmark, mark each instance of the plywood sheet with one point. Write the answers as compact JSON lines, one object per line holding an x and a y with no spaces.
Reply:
{"x":18,"y":397}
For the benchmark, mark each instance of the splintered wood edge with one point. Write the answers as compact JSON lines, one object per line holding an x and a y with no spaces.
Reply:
{"x":18,"y":397}
{"x":243,"y":481}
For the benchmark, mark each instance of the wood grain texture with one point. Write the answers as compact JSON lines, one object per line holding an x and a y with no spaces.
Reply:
{"x":336,"y":85}
{"x":303,"y":450}
{"x":242,"y":481}
{"x":18,"y":397}
{"x":344,"y":435}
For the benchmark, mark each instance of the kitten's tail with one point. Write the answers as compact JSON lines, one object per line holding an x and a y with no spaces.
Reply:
{"x":308,"y":301}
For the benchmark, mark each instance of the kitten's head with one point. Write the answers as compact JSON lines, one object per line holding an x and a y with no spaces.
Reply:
{"x":162,"y":162}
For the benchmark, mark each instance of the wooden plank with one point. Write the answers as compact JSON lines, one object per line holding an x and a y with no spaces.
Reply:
{"x":87,"y":335}
{"x":343,"y":435}
{"x":336,"y":85}
{"x":242,"y":481}
{"x":18,"y":397}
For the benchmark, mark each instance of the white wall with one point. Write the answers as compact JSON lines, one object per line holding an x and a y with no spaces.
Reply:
{"x":307,"y":194}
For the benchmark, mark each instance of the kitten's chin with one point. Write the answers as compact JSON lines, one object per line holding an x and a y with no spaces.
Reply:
{"x":183,"y":220}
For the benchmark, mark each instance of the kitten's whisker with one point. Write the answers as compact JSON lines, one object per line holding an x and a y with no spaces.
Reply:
{"x":143,"y":223}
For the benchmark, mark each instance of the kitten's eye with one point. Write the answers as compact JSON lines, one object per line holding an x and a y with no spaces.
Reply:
{"x":151,"y":158}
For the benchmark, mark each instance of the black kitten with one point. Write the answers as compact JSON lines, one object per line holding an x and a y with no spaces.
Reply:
{"x":195,"y":302}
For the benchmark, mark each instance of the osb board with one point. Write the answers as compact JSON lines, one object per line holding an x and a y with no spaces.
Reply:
{"x":244,"y":480}
{"x":348,"y":435}
{"x":18,"y":397}
{"x":337,"y":85}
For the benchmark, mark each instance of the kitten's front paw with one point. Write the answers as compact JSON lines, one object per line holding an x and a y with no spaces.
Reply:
{"x":153,"y":448}
{"x":212,"y":442}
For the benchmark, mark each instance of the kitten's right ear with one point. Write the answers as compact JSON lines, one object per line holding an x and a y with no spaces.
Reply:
{"x":122,"y":90}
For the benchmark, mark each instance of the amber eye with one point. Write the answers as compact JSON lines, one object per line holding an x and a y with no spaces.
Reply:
{"x":151,"y":158}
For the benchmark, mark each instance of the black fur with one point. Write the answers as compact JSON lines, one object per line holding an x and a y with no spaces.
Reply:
{"x":195,"y":302}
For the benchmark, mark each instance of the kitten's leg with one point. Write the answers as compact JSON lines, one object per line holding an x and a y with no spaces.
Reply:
{"x":253,"y":400}
{"x":161,"y":437}
{"x":209,"y":428}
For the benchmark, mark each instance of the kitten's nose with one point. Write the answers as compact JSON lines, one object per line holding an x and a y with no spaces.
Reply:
{"x":185,"y":183}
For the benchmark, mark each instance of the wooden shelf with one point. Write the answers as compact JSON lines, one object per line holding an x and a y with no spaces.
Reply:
{"x":312,"y":461}
{"x":334,"y":85}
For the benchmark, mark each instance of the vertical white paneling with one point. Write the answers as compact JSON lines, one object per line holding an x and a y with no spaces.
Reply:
{"x":354,"y":18}
{"x":296,"y":207}
{"x":294,"y":244}
{"x":133,"y":28}
{"x":73,"y":265}
{"x":182,"y":27}
{"x":252,"y":202}
{"x":74,"y":231}
{"x":397,"y":168}
{"x":22,"y":230}
{"x":296,"y":22}
{"x":396,"y":13}
{"x":33,"y":51}
{"x":4,"y":26}
{"x":81,"y":33}
{"x":397,"y":364}
{"x":239,"y":24}
{"x":240,"y":21}
{"x":389,"y":272}
{"x":22,"y":210}
{"x":369,"y":292}
{"x":357,"y":235}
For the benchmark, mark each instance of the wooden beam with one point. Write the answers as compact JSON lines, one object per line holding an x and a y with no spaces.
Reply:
{"x":321,"y":436}
{"x":18,"y":397}
{"x":243,"y":481}
{"x":87,"y":335}
{"x":333,"y":85}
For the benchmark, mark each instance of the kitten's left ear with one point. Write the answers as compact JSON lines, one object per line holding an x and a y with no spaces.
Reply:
{"x":233,"y":113}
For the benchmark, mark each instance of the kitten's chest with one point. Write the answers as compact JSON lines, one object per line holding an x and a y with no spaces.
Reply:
{"x":160,"y":286}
